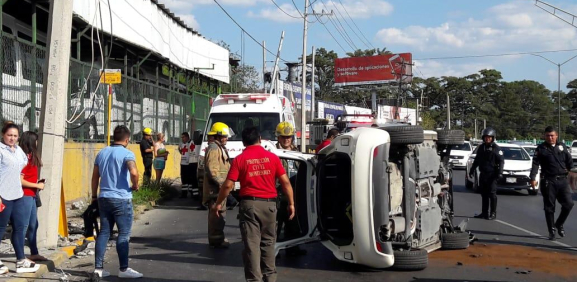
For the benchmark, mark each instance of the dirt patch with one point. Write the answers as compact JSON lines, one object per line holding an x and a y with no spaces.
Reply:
{"x":531,"y":259}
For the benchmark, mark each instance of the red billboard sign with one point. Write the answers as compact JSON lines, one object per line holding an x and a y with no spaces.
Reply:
{"x":373,"y":70}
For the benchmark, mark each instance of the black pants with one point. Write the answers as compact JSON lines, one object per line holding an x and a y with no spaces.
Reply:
{"x":188,"y":178}
{"x":556,"y":190}
{"x":147,"y":168}
{"x":488,"y":188}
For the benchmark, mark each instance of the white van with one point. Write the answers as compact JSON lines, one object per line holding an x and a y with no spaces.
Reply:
{"x":238,"y":111}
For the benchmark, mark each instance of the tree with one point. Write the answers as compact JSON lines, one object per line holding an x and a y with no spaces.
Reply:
{"x":324,"y":73}
{"x":244,"y":79}
{"x":368,"y":52}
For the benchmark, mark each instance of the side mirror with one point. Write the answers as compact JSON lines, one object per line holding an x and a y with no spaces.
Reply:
{"x":197,"y":137}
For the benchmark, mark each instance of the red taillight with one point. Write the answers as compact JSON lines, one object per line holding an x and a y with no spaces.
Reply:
{"x":375,"y":152}
{"x":379,"y":248}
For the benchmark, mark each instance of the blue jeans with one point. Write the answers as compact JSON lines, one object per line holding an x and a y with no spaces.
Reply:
{"x":112,"y":211}
{"x":32,"y":225}
{"x":18,"y":212}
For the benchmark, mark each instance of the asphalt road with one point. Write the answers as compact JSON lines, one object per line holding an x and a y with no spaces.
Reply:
{"x":169,"y":244}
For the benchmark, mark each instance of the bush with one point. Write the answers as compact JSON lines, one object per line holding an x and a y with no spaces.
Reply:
{"x":152,"y":191}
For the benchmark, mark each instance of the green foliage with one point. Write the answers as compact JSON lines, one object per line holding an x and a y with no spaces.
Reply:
{"x":243,"y":79}
{"x":151,"y":191}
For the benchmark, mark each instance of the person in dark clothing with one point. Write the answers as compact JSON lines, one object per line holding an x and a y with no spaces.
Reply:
{"x":146,"y":153}
{"x":556,"y":162}
{"x":490,"y":162}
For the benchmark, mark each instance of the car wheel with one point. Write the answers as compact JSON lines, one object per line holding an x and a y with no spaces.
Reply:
{"x":455,"y":241}
{"x":533,"y":192}
{"x":406,"y":134}
{"x":414,"y":259}
{"x":450,"y":137}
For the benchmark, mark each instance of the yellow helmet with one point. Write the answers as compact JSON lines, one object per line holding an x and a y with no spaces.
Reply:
{"x":219,"y":128}
{"x":285,"y":128}
{"x":147,"y":131}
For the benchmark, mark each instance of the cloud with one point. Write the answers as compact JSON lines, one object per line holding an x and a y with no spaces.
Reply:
{"x":190,"y":21}
{"x":361,"y":9}
{"x":276,"y":15}
{"x":514,"y":26}
{"x":433,"y":68}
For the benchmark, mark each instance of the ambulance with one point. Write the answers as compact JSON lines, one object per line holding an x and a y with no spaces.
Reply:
{"x":239,"y":111}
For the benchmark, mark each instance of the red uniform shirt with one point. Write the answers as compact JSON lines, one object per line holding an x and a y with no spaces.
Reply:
{"x":323,"y":144}
{"x":30,"y":173}
{"x":256,"y":169}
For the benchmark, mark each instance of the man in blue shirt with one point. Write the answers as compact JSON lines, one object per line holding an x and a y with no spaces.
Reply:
{"x":115,"y":170}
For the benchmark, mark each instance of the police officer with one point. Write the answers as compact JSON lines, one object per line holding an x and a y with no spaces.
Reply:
{"x":490,"y":162}
{"x":217,"y":165}
{"x":285,"y":132}
{"x":256,"y":169}
{"x":556,"y":162}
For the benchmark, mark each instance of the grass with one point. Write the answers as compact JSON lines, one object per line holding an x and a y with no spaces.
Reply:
{"x":152,"y":191}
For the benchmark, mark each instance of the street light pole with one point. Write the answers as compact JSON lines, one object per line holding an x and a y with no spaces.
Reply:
{"x":558,"y":88}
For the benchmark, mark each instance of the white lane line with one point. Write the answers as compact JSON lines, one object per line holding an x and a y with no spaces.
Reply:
{"x":534,"y":234}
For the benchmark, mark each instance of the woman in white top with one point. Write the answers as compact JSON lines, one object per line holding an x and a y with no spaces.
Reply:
{"x":13,"y":206}
{"x":160,"y":156}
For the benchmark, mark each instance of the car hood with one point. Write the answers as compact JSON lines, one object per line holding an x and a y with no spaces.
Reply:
{"x":517,"y":165}
{"x":460,"y":153}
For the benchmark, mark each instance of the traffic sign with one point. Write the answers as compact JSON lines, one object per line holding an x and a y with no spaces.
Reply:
{"x":111,"y":76}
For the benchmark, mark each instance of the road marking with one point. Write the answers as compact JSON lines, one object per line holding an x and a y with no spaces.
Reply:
{"x":534,"y":234}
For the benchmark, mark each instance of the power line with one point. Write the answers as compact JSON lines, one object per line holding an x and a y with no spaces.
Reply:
{"x":298,"y":11}
{"x":495,"y":55}
{"x":294,"y":17}
{"x":347,"y":23}
{"x":346,"y":35}
{"x":356,"y":25}
{"x":249,"y":35}
{"x":325,"y":26}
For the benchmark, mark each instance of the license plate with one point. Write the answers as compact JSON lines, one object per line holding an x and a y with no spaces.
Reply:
{"x":455,"y":161}
{"x":511,"y":180}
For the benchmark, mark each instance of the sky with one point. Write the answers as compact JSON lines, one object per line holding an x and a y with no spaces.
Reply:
{"x":430,"y":30}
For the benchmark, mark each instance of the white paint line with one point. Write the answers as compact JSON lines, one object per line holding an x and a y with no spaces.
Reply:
{"x":534,"y":234}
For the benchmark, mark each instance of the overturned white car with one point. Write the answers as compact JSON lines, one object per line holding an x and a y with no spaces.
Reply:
{"x":378,"y":197}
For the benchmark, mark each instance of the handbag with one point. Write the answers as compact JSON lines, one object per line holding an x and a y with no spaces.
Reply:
{"x":37,"y":198}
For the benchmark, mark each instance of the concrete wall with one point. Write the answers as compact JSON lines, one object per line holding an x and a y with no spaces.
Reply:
{"x":79,"y":163}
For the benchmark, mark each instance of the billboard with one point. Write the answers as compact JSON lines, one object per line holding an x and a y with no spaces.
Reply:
{"x":329,"y":111}
{"x":373,"y":70}
{"x":292,"y":90}
{"x":390,"y":112}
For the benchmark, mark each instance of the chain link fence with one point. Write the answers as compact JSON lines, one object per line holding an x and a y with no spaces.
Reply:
{"x":135,"y":103}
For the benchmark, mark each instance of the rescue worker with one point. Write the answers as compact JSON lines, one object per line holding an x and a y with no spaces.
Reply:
{"x":490,"y":162}
{"x":146,"y":153}
{"x":187,"y":169}
{"x":331,"y":135}
{"x":216,"y":167}
{"x":556,"y":162}
{"x":285,"y":134}
{"x":257,"y":171}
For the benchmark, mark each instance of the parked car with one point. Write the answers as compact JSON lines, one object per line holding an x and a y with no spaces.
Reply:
{"x":378,"y":197}
{"x":574,"y":150}
{"x":530,"y":149}
{"x":515,"y":173}
{"x":460,"y":154}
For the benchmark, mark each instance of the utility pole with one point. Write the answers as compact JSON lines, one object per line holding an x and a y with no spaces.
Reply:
{"x":304,"y":78}
{"x":448,"y":112}
{"x":275,"y":68}
{"x":313,"y":86}
{"x":52,"y":119}
{"x":475,"y":129}
{"x":263,"y":65}
{"x":484,"y":123}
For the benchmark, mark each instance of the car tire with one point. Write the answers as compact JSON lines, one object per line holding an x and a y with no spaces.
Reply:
{"x":455,"y":241}
{"x":406,"y":134}
{"x":533,"y":192}
{"x":414,"y":259}
{"x":450,"y":137}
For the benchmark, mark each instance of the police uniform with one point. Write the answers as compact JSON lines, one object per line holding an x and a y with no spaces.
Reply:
{"x":257,"y":170}
{"x":490,"y":162}
{"x":555,"y":162}
{"x":216,"y":168}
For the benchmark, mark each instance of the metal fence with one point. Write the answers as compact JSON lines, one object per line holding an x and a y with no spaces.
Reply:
{"x":135,"y":103}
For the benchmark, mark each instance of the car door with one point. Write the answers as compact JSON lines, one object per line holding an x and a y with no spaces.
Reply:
{"x":302,"y":228}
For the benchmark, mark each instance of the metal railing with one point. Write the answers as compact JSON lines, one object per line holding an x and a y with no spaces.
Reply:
{"x":135,"y":103}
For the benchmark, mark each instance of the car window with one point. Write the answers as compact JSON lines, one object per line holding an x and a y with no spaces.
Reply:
{"x":475,"y":151}
{"x":462,"y":147}
{"x":515,"y":154}
{"x":530,"y":150}
{"x":265,"y":122}
{"x":574,"y":145}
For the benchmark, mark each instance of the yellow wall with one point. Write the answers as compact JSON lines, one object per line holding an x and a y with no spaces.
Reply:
{"x":79,"y":160}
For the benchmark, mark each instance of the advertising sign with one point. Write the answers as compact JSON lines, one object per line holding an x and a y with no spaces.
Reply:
{"x":404,"y":114}
{"x":292,"y":90}
{"x":373,"y":70}
{"x":329,"y":111}
{"x":111,"y":76}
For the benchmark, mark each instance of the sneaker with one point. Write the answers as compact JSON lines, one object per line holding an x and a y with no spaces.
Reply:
{"x":129,"y":273}
{"x":101,"y":273}
{"x":26,"y":266}
{"x":3,"y":268}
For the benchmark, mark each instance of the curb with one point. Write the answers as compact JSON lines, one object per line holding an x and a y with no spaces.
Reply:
{"x":54,"y":260}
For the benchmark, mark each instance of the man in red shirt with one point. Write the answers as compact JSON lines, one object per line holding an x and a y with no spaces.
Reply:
{"x":257,"y":170}
{"x":331,"y":135}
